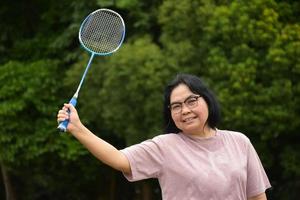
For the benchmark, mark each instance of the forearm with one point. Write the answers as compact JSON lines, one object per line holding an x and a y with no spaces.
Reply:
{"x":102,"y":150}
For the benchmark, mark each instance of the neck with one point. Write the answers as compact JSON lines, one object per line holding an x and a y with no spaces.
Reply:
{"x":205,"y":133}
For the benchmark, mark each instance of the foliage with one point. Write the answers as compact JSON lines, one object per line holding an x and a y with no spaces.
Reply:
{"x":25,"y":95}
{"x":138,"y":69}
{"x":248,"y":52}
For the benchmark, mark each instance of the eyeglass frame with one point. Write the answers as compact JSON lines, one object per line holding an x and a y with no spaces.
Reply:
{"x":186,"y":104}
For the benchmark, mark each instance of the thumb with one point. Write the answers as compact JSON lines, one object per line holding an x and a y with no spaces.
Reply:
{"x":70,"y":107}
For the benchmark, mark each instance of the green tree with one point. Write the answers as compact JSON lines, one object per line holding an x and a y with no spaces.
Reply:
{"x":36,"y":49}
{"x":27,"y":102}
{"x":248,"y":52}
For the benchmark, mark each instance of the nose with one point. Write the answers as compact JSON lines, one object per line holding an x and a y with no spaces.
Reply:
{"x":185,"y":109}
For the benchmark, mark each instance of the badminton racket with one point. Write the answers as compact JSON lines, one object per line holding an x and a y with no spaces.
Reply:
{"x":101,"y":33}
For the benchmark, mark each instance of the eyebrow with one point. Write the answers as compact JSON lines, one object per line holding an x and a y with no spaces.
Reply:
{"x":179,"y":102}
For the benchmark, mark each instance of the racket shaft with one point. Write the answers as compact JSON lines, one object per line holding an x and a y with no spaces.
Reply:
{"x":62,"y":127}
{"x":84,"y":74}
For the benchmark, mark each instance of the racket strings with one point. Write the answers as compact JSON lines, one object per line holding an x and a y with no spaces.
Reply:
{"x":102,"y":32}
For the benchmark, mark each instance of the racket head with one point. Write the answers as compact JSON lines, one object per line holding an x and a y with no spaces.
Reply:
{"x":102,"y":32}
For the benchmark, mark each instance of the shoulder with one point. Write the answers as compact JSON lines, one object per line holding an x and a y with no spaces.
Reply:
{"x":167,"y":138}
{"x":159,"y":143}
{"x":235,"y":136}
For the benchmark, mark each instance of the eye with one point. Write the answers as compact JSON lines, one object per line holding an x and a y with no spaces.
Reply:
{"x":191,"y":101}
{"x":176,"y":106}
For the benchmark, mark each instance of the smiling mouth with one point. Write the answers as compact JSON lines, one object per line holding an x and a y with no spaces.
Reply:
{"x":188,"y":119}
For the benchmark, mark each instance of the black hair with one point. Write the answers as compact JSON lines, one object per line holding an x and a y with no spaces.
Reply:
{"x":197,"y":86}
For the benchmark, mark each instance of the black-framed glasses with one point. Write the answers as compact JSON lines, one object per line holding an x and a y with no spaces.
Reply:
{"x":190,"y":102}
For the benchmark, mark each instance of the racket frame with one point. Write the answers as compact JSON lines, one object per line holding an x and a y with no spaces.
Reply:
{"x":87,"y":18}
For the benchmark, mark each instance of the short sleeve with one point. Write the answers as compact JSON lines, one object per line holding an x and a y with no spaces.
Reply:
{"x":145,"y":159}
{"x":257,"y":180}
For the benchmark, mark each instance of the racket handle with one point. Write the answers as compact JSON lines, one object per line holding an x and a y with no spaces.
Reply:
{"x":62,"y":127}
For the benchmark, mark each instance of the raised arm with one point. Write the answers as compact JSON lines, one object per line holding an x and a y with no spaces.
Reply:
{"x":101,"y":149}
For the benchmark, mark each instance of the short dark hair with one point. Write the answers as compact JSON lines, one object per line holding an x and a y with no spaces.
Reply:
{"x":197,"y":86}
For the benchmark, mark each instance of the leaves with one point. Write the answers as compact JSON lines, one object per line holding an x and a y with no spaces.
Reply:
{"x":247,"y":52}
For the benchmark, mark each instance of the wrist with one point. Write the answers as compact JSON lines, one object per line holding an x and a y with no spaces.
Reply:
{"x":78,"y":129}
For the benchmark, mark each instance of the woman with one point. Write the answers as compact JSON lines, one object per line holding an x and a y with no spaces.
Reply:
{"x":195,"y":160}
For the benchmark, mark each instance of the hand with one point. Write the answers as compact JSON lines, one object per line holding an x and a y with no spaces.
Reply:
{"x":74,"y":121}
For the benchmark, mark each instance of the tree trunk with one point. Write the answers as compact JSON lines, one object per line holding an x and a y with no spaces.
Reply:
{"x":146,"y":191}
{"x":112,"y":185}
{"x":9,"y":191}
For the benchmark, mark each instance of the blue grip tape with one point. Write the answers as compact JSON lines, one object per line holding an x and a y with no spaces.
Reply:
{"x":62,"y":127}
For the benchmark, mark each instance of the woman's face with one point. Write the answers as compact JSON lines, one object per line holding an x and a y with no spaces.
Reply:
{"x":191,"y":116}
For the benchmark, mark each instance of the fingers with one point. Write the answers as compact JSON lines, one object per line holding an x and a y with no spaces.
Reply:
{"x":69,"y":112}
{"x":62,"y":115}
{"x":68,"y":106}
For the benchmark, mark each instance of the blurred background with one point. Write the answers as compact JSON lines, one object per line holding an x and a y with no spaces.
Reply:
{"x":248,"y":52}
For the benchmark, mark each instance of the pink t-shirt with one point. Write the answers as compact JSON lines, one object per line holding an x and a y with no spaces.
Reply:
{"x":225,"y":166}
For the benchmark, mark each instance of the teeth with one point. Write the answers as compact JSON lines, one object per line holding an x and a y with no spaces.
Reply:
{"x":188,"y":119}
